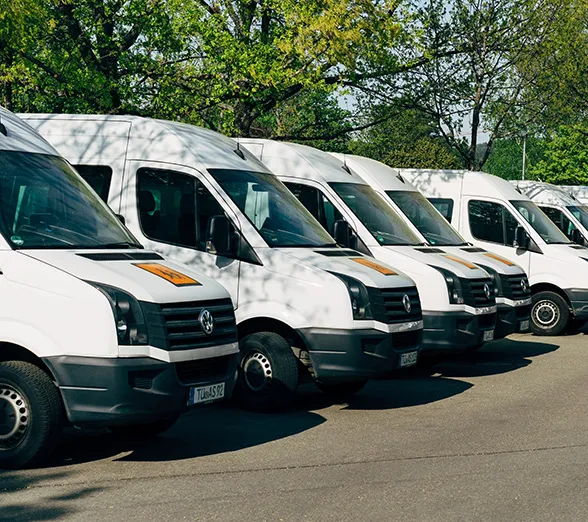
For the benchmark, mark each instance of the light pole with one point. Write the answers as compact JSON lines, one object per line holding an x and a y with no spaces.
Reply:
{"x":524,"y":153}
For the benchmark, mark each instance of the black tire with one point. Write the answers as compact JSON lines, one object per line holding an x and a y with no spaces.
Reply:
{"x":550,"y":314}
{"x":268,"y":373}
{"x":144,"y":431}
{"x":31,"y":415}
{"x":343,"y":390}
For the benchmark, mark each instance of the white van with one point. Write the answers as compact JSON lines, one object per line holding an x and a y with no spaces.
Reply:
{"x":93,"y":329}
{"x":580,"y":192}
{"x":570,"y":216}
{"x":304,"y":307}
{"x":513,"y":293}
{"x":492,"y":214}
{"x":459,"y":307}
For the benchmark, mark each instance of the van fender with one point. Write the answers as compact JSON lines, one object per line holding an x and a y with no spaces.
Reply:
{"x":272,"y":310}
{"x":29,"y":338}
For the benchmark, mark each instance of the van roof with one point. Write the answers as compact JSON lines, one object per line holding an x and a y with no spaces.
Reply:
{"x":151,"y":139}
{"x":546,"y":193}
{"x":21,"y":137}
{"x":374,"y":171}
{"x":473,"y":183}
{"x":300,"y":161}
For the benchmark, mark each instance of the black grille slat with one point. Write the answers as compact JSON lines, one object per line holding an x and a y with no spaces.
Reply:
{"x":183,"y":330}
{"x":387,"y":306}
{"x":511,"y":287}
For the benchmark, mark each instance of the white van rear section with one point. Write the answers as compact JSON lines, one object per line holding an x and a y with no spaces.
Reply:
{"x":303,"y":306}
{"x":93,"y":328}
{"x":492,"y":214}
{"x":458,"y":314}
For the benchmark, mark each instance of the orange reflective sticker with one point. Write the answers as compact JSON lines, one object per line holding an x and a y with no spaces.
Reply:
{"x":461,"y":261}
{"x":169,"y":274}
{"x":501,"y":259}
{"x":374,"y":266}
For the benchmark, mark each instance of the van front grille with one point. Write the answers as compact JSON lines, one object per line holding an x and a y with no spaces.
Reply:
{"x":515,"y":287}
{"x":184,"y":330}
{"x":474,"y":292}
{"x":388,"y":304}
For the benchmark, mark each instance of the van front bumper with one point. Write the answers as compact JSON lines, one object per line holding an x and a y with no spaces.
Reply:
{"x":100,"y":392}
{"x":511,"y":319}
{"x":454,"y":332}
{"x":352,"y":355}
{"x":579,"y":299}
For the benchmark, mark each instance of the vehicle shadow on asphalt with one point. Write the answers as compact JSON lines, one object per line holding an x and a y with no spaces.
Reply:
{"x":50,"y":508}
{"x":202,"y":432}
{"x":502,"y":356}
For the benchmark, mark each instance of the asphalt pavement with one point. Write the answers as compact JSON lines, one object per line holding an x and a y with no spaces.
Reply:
{"x":500,"y":435}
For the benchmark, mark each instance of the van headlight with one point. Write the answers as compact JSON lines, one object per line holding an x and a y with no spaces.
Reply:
{"x":129,"y":319}
{"x":359,"y":296}
{"x":496,"y":281}
{"x":454,"y":288}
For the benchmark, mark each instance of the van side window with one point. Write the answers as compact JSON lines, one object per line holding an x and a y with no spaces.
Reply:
{"x":175,"y":208}
{"x":560,"y":219}
{"x":317,"y":204}
{"x":491,"y":222}
{"x":98,"y":177}
{"x":166,"y":202}
{"x":444,"y":206}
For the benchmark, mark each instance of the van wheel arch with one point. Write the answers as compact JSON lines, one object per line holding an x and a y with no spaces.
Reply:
{"x":15,"y":352}
{"x":268,"y":324}
{"x":548,"y":287}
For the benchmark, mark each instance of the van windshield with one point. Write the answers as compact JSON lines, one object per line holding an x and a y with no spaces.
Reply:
{"x":377,"y":216}
{"x":540,"y":222}
{"x":424,"y":216}
{"x":580,"y":213}
{"x":45,"y":204}
{"x":273,"y":210}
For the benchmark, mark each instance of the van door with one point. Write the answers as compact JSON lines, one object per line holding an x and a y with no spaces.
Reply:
{"x":492,"y":226}
{"x":169,"y":209}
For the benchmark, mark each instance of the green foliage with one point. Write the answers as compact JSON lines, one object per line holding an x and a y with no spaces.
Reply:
{"x":565,"y":159}
{"x":506,"y":157}
{"x":404,"y":139}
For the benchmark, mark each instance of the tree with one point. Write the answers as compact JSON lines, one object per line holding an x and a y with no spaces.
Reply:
{"x":565,"y":159}
{"x":476,"y":81}
{"x":506,"y":158}
{"x":404,"y":138}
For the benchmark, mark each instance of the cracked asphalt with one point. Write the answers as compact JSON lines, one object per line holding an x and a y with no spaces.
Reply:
{"x":500,"y":435}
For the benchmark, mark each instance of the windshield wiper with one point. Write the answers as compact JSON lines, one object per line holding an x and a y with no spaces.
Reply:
{"x":120,"y":244}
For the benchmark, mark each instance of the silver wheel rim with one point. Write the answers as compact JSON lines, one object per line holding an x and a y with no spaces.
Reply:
{"x":14,"y":417}
{"x":257,"y":371}
{"x":546,"y":314}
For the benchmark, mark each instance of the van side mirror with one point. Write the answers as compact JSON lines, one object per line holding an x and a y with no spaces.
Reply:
{"x":522,"y":239}
{"x":218,"y":236}
{"x":577,"y":237}
{"x":121,"y":218}
{"x":342,"y":233}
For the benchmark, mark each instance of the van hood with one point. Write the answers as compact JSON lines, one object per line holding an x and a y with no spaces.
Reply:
{"x":145,"y":275}
{"x":350,"y":263}
{"x":567,"y":252}
{"x":441,"y":258}
{"x":482,"y":257}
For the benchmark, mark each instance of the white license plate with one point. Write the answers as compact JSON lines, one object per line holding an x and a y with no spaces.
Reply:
{"x":408,"y":359}
{"x":489,"y":335}
{"x":524,"y":326}
{"x":203,"y":394}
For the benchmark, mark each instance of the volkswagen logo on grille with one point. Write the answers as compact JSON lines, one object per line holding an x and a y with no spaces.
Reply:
{"x":206,"y":321}
{"x":524,"y":285}
{"x":487,"y":291}
{"x":407,"y":304}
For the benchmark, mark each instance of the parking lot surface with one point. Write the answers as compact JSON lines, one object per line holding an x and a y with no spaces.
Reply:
{"x":499,"y":435}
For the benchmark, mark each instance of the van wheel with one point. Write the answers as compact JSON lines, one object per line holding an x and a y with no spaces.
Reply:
{"x":268,"y":373}
{"x":31,"y":414}
{"x":550,"y":314}
{"x":144,"y":431}
{"x":341,"y":390}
